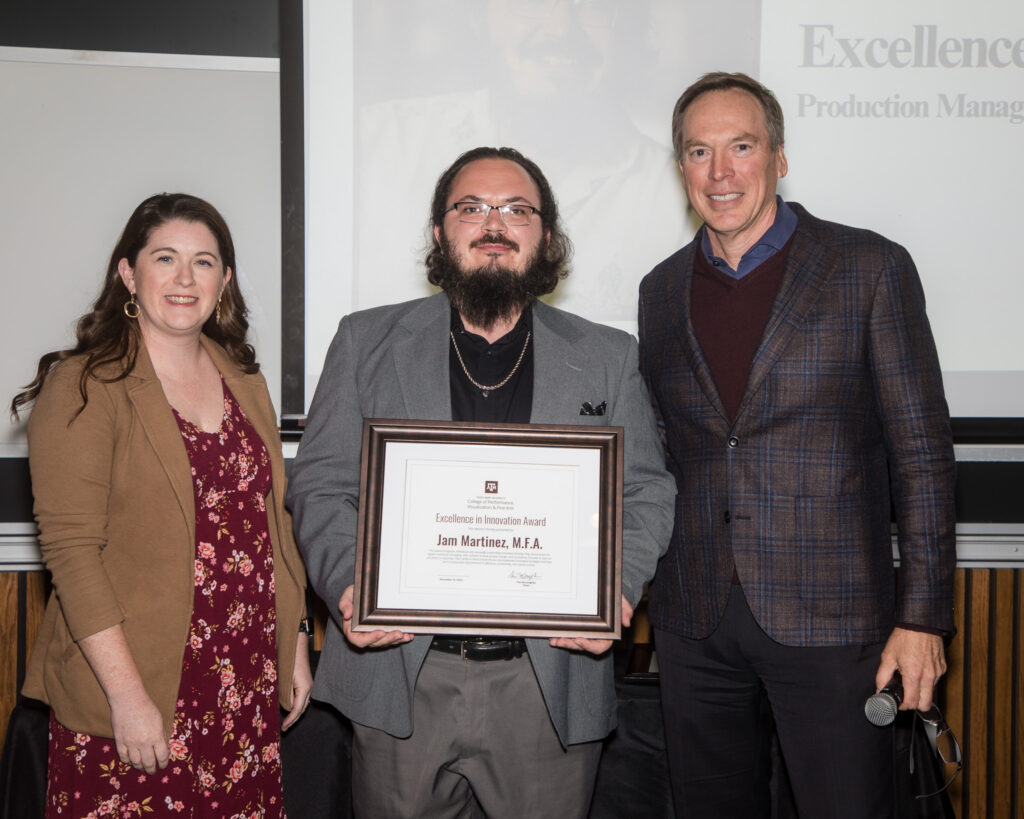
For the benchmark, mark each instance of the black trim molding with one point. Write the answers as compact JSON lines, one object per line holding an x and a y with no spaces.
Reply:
{"x":228,"y":28}
{"x":988,"y":430}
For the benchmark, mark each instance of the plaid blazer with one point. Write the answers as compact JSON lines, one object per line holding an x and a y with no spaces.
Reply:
{"x":843,"y":418}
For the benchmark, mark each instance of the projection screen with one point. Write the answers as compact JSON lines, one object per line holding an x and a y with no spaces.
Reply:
{"x":906,"y":118}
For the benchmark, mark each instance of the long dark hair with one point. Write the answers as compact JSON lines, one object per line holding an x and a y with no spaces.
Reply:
{"x":554,"y":261}
{"x":106,"y":336}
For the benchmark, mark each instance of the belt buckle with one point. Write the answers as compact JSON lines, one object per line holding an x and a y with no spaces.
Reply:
{"x":462,"y":648}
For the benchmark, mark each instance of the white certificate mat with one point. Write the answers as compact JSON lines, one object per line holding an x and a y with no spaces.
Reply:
{"x":473,"y":528}
{"x":501,"y":528}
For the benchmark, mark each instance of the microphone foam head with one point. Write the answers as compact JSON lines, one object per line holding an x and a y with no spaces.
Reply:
{"x":881,"y":709}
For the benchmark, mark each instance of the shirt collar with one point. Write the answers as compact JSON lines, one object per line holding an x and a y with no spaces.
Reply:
{"x":514,"y":335}
{"x":770,"y":243}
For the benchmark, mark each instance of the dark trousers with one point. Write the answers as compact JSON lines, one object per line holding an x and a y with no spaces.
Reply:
{"x":718,"y":732}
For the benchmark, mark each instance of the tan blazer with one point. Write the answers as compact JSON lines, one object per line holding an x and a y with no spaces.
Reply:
{"x":116,"y":515}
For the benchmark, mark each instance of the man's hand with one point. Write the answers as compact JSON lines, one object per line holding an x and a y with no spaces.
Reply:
{"x":365,"y":639}
{"x":921,"y":659}
{"x":590,"y":645}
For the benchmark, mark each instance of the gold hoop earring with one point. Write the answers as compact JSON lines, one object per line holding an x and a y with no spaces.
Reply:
{"x":218,"y":309}
{"x":131,"y":308}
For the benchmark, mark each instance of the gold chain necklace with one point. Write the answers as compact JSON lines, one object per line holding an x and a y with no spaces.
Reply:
{"x":483,"y":387}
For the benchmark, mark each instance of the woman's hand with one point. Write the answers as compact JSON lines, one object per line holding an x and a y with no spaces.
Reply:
{"x":139,"y":731}
{"x":137,"y":724}
{"x":302,"y":683}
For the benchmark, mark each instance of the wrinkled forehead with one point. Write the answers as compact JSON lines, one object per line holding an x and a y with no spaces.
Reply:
{"x":733,"y":108}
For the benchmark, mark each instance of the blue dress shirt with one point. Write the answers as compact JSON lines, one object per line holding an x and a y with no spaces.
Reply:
{"x":773,"y":240}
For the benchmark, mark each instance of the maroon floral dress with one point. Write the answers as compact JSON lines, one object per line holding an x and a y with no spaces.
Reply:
{"x":225,"y":740}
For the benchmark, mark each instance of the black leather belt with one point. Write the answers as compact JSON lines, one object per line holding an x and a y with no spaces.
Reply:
{"x":481,"y":649}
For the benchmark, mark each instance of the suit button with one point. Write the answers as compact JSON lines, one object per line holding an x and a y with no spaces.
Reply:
{"x":727,"y":517}
{"x":734,"y":441}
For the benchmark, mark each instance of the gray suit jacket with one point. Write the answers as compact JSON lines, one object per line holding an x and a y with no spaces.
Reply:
{"x":392,"y":362}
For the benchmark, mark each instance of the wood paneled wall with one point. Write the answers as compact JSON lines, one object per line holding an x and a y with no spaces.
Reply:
{"x":983,"y":695}
{"x":22,"y":602}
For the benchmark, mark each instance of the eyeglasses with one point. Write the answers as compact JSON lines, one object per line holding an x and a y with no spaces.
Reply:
{"x":942,"y":741}
{"x":515,"y":214}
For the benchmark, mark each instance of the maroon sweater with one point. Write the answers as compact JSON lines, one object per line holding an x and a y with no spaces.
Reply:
{"x":729,"y":316}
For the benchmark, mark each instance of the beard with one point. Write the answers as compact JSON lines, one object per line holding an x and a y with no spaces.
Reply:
{"x":493,"y":292}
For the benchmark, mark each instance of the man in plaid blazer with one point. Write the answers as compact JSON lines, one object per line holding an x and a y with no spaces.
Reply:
{"x":794,"y":370}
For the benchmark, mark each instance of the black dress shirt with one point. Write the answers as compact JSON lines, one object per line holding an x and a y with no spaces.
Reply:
{"x":489,"y":364}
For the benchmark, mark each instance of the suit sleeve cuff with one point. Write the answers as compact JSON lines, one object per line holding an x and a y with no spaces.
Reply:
{"x":945,"y":635}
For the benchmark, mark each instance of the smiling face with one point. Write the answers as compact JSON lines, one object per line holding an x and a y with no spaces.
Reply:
{"x":491,"y":271}
{"x":177,"y":279}
{"x":730,"y":171}
{"x":492,"y":243}
{"x":552,"y":48}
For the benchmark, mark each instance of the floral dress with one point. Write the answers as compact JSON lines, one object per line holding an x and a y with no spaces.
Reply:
{"x":225,"y":740}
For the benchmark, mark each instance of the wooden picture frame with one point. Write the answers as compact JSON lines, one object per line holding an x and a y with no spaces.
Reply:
{"x":472,"y":528}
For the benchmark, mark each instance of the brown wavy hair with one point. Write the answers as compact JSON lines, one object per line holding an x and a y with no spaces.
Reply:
{"x":106,"y":336}
{"x":553,"y":262}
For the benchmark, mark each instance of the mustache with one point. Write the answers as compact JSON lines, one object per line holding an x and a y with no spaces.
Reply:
{"x":495,"y":239}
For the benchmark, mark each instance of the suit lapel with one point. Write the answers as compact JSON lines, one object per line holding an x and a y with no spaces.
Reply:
{"x":808,"y":269}
{"x":678,"y":302}
{"x":559,"y":364}
{"x":421,"y":361}
{"x":157,"y":421}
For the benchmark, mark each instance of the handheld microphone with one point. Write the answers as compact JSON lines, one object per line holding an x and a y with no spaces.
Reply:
{"x":881,"y":708}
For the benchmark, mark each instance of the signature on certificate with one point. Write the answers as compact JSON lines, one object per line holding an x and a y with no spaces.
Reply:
{"x":524,"y":578}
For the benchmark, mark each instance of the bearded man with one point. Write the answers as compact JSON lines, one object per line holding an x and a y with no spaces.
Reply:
{"x":446,"y":726}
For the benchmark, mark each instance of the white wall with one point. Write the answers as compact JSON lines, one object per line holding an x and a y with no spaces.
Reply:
{"x":86,"y":136}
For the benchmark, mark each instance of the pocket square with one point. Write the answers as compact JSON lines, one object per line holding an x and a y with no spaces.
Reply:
{"x":586,"y":408}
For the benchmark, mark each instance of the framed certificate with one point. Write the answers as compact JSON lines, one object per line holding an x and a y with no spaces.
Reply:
{"x":470,"y":528}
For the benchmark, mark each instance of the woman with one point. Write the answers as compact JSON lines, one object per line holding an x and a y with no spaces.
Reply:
{"x":159,"y":484}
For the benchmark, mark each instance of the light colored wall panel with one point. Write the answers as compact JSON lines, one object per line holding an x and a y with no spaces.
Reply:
{"x":83,"y":143}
